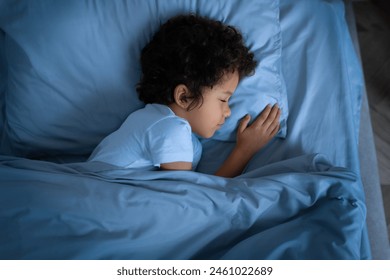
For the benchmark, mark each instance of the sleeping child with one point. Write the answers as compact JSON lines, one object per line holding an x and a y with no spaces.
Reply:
{"x":190,"y":70}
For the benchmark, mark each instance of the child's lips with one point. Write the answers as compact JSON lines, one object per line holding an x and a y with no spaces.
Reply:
{"x":221,"y":124}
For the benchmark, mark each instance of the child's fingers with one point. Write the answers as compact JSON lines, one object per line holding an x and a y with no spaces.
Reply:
{"x":268,"y":119}
{"x":267,"y":115}
{"x":276,"y":122}
{"x":244,"y":123}
{"x":272,"y":117}
{"x":263,"y":115}
{"x":274,"y":113}
{"x":277,"y":116}
{"x":274,"y":125}
{"x":275,"y":130}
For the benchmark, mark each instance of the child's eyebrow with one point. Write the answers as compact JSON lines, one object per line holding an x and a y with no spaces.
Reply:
{"x":228,"y":92}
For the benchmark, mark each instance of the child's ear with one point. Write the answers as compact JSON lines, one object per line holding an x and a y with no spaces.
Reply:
{"x":182,"y":96}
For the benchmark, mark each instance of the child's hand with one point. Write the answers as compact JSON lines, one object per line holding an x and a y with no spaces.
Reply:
{"x":252,"y":138}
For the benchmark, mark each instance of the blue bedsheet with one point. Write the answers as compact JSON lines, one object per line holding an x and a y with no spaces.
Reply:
{"x":302,"y":208}
{"x":324,"y":86}
{"x":299,"y":198}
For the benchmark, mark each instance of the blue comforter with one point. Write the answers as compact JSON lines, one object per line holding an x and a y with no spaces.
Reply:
{"x":302,"y":208}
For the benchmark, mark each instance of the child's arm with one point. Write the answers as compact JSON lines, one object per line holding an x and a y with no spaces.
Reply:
{"x":179,"y":165}
{"x":251,"y":139}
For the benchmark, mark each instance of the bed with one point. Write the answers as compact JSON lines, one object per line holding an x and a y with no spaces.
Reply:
{"x":68,"y":72}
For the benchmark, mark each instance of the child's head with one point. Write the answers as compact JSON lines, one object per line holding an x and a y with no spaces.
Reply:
{"x":193,"y":51}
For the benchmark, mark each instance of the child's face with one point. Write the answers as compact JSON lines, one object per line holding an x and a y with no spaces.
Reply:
{"x":210,"y":116}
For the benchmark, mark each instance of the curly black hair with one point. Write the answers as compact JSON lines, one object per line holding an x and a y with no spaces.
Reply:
{"x":194,"y":51}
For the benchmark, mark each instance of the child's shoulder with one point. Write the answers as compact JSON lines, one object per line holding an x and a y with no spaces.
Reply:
{"x":151,"y":112}
{"x":158,"y":117}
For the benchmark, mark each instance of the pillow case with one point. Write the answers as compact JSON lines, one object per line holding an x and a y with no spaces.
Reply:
{"x":73,"y":66}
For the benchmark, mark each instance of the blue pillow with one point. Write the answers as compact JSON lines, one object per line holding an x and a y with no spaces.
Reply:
{"x":73,"y":66}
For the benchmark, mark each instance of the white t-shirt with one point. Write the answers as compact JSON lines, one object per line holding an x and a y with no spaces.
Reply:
{"x":149,"y":137}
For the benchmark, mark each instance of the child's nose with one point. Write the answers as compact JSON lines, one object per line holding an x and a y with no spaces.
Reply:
{"x":227,"y":111}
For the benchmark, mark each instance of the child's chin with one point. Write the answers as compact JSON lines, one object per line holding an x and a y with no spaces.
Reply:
{"x":209,"y":135}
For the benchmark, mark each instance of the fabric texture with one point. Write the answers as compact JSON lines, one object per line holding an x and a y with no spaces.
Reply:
{"x":72,"y":82}
{"x":302,"y":208}
{"x":149,"y":137}
{"x":300,"y":197}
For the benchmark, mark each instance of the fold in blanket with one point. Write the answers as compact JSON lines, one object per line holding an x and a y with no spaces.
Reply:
{"x":302,"y":208}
